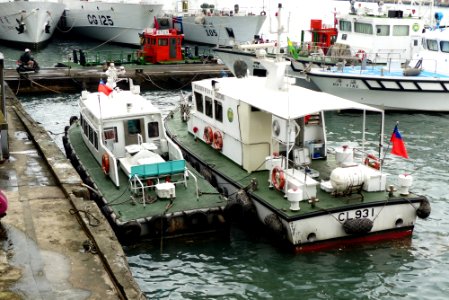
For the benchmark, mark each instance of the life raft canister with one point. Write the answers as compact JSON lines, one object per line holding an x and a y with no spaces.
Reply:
{"x":105,"y":163}
{"x":278,"y":178}
{"x":208,"y":135}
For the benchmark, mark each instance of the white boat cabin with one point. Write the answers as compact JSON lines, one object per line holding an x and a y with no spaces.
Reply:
{"x":125,"y":131}
{"x":381,"y":35}
{"x":265,"y":123}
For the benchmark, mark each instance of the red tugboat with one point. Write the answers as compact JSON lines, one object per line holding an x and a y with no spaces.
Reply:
{"x":160,"y":46}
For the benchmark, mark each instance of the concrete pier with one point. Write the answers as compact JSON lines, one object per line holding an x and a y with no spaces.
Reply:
{"x":54,"y":244}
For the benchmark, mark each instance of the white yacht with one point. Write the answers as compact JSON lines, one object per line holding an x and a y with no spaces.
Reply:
{"x":111,"y":20}
{"x":29,"y":23}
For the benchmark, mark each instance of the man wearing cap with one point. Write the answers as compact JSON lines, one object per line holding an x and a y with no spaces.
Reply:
{"x":26,"y":59}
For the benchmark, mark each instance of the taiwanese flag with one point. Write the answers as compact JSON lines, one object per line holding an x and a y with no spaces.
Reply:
{"x":103,"y":88}
{"x":398,"y":143}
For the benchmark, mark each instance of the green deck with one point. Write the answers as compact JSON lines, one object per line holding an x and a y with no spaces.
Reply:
{"x":120,"y":201}
{"x":271,"y":197}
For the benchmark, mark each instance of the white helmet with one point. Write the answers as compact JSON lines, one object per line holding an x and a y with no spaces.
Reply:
{"x":27,"y":50}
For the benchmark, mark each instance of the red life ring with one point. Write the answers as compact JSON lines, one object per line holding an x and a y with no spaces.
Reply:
{"x":278,"y":178}
{"x":218,"y":140}
{"x":105,"y":163}
{"x":361,"y":54}
{"x":208,"y":135}
{"x":372,"y":161}
{"x":3,"y":204}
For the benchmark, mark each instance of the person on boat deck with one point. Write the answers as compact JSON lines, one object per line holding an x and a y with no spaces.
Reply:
{"x":26,"y":58}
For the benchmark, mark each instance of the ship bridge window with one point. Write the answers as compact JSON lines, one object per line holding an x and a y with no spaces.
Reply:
{"x":218,"y":107}
{"x":110,"y":134}
{"x":401,"y":30}
{"x":199,"y":102}
{"x":383,"y":30}
{"x":345,"y":26}
{"x":444,"y":46}
{"x":432,"y":45}
{"x":364,"y":28}
{"x":163,"y":42}
{"x":208,"y":106}
{"x":153,"y":129}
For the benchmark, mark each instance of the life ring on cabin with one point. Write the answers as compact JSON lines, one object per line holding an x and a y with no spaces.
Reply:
{"x":105,"y":163}
{"x":415,"y":27}
{"x":361,"y":54}
{"x":218,"y":140}
{"x":278,"y":178}
{"x":372,"y":161}
{"x":263,"y":13}
{"x":208,"y":135}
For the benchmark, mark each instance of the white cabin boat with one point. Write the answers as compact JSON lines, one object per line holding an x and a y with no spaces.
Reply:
{"x":29,"y":23}
{"x":263,"y":143}
{"x":135,"y":172}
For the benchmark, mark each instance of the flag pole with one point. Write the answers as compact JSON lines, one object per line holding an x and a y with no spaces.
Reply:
{"x":388,"y":147}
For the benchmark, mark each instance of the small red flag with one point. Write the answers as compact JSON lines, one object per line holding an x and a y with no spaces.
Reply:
{"x":398,"y":143}
{"x":103,"y":88}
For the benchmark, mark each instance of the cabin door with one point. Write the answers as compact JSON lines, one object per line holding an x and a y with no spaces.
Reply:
{"x":415,"y":46}
{"x":133,"y":128}
{"x":172,"y":47}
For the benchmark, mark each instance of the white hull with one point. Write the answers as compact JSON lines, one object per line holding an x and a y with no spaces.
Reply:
{"x":116,"y":22}
{"x":213,"y":30}
{"x":39,"y":20}
{"x":329,"y":226}
{"x":391,"y":93}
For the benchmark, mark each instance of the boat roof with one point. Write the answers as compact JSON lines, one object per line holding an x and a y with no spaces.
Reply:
{"x":292,"y":103}
{"x":119,"y":104}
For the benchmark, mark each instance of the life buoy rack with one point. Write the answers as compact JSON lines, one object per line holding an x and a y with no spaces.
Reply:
{"x":105,"y":163}
{"x":372,"y":161}
{"x":361,"y":54}
{"x":218,"y":140}
{"x":278,"y":178}
{"x":208,"y":135}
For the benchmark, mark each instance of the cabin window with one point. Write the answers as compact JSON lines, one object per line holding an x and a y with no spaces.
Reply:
{"x":110,"y":134}
{"x":444,"y":46}
{"x":153,"y":41}
{"x":345,"y":26}
{"x":432,"y":45}
{"x":199,"y":102}
{"x":163,"y":42}
{"x":153,"y":129}
{"x":218,"y":107}
{"x":134,"y":126}
{"x":401,"y":30}
{"x":95,"y":140}
{"x":383,"y":30}
{"x":364,"y":28}
{"x":208,"y":106}
{"x":91,"y":135}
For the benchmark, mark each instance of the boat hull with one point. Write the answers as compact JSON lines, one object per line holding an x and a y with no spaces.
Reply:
{"x":39,"y":20}
{"x":116,"y":22}
{"x":214,"y":30}
{"x":391,"y":93}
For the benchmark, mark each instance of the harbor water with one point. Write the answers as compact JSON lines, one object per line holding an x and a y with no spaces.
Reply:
{"x":247,"y":265}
